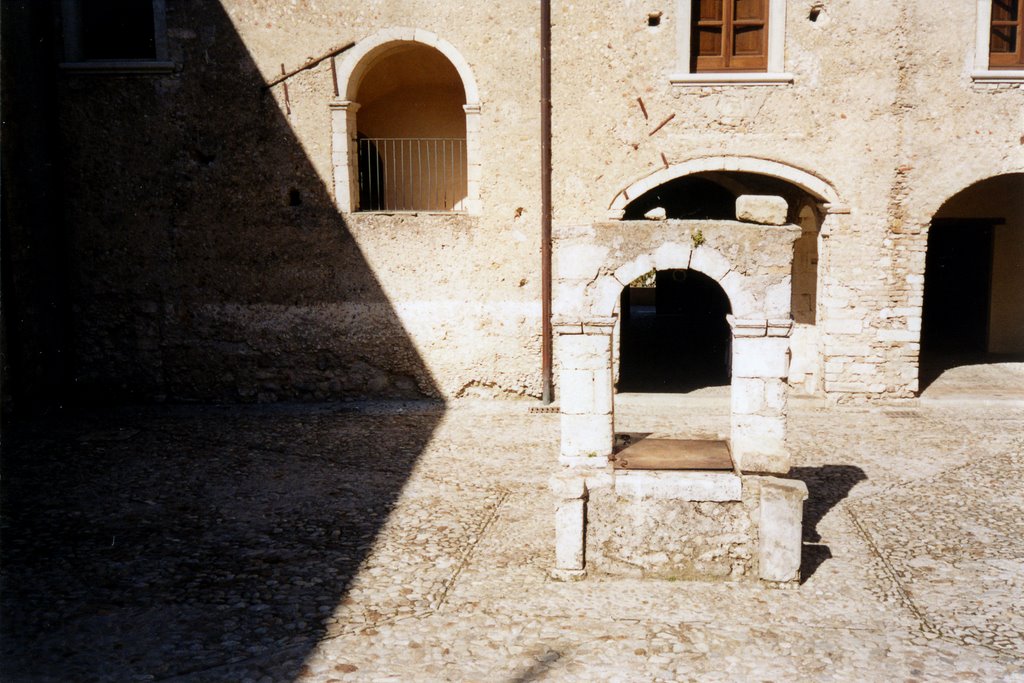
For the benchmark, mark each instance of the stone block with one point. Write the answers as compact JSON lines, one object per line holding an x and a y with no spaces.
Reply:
{"x":709,"y":262}
{"x":579,"y":261}
{"x":584,"y":351}
{"x":568,"y":298}
{"x":779,"y":299}
{"x":760,"y":357}
{"x":569,"y":534}
{"x":834,"y":326}
{"x":634,"y":269}
{"x":761,"y":208}
{"x":744,"y":300}
{"x":899,"y":335}
{"x":603,"y":296}
{"x":671,"y":538}
{"x":672,"y":255}
{"x":775,"y":396}
{"x":781,"y":523}
{"x":587,"y":439}
{"x":568,"y":485}
{"x":748,"y":395}
{"x":585,"y":392}
{"x":693,"y":486}
{"x":656,"y":214}
{"x":758,"y":443}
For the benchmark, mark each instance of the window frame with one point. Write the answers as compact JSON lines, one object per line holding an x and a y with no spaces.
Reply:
{"x":75,"y":60}
{"x":984,"y":71}
{"x":773,"y":74}
{"x":728,"y":27}
{"x":1017,"y":58}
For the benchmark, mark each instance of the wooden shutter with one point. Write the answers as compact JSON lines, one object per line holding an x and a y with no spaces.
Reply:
{"x":730,"y":35}
{"x":1005,"y":36}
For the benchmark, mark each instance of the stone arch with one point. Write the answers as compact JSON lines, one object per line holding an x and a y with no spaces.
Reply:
{"x":354,"y":62}
{"x":350,"y":68}
{"x":603,"y":296}
{"x":812,"y":184}
{"x":958,"y":185}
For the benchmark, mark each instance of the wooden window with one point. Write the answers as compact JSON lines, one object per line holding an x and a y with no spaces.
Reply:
{"x":1006,"y":35}
{"x":730,"y":35}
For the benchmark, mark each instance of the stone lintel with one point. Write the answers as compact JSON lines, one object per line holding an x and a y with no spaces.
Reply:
{"x":567,"y":326}
{"x":747,"y":327}
{"x":667,"y":485}
{"x":782,"y":327}
{"x":601,"y":325}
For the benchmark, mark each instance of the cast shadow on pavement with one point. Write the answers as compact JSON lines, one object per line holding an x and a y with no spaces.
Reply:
{"x":210,"y":263}
{"x":826,"y":487}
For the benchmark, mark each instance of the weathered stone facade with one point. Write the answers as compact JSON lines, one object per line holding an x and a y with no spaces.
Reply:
{"x":212,"y":251}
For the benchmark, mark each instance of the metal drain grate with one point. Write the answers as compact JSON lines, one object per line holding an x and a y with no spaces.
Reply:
{"x":904,"y":412}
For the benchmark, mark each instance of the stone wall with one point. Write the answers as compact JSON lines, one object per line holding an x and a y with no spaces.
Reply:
{"x":207,"y":257}
{"x":677,"y":525}
{"x":210,"y":260}
{"x":882,"y":106}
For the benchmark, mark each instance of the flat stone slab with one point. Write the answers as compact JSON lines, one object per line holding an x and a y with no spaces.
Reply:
{"x":674,"y":454}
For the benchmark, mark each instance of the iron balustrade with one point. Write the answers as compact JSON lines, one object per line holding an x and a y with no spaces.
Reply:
{"x":412,"y":174}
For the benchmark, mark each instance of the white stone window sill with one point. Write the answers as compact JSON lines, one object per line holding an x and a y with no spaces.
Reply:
{"x":998,"y":76}
{"x":725,"y":78}
{"x":119,"y":66}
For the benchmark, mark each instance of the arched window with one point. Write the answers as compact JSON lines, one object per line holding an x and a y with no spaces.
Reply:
{"x":406,"y":136}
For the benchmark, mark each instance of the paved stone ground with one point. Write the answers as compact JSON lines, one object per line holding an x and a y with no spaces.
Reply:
{"x":410,"y":541}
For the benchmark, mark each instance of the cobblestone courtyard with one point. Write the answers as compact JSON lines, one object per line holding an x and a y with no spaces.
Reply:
{"x":410,"y":541}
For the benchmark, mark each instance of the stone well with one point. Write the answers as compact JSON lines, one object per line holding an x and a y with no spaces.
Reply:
{"x":739,"y":524}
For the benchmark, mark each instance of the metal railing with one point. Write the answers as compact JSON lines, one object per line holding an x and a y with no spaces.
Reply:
{"x":412,"y":174}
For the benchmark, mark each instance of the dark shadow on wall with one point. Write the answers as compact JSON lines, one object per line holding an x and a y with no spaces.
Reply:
{"x":827,"y":486}
{"x":209,"y":263}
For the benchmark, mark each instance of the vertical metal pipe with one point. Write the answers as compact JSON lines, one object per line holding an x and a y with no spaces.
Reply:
{"x":545,"y":197}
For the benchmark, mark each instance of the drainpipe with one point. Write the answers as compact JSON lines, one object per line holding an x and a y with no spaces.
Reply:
{"x":545,"y":196}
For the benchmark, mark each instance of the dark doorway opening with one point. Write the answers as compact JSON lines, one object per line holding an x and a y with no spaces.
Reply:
{"x":958,"y":281}
{"x":674,"y":335}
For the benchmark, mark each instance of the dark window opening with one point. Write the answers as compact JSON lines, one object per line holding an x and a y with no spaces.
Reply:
{"x":117,"y":29}
{"x":674,"y":336}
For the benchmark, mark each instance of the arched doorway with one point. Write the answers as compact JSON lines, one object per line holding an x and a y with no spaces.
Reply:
{"x":674,"y":336}
{"x":974,"y":288}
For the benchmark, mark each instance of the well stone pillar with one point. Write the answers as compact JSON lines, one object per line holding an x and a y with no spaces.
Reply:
{"x":585,"y":391}
{"x":781,"y":529}
{"x":570,"y":491}
{"x":760,"y":365}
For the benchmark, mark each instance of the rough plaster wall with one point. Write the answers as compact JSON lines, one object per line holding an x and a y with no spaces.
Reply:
{"x":198,"y":278}
{"x":881,"y":106}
